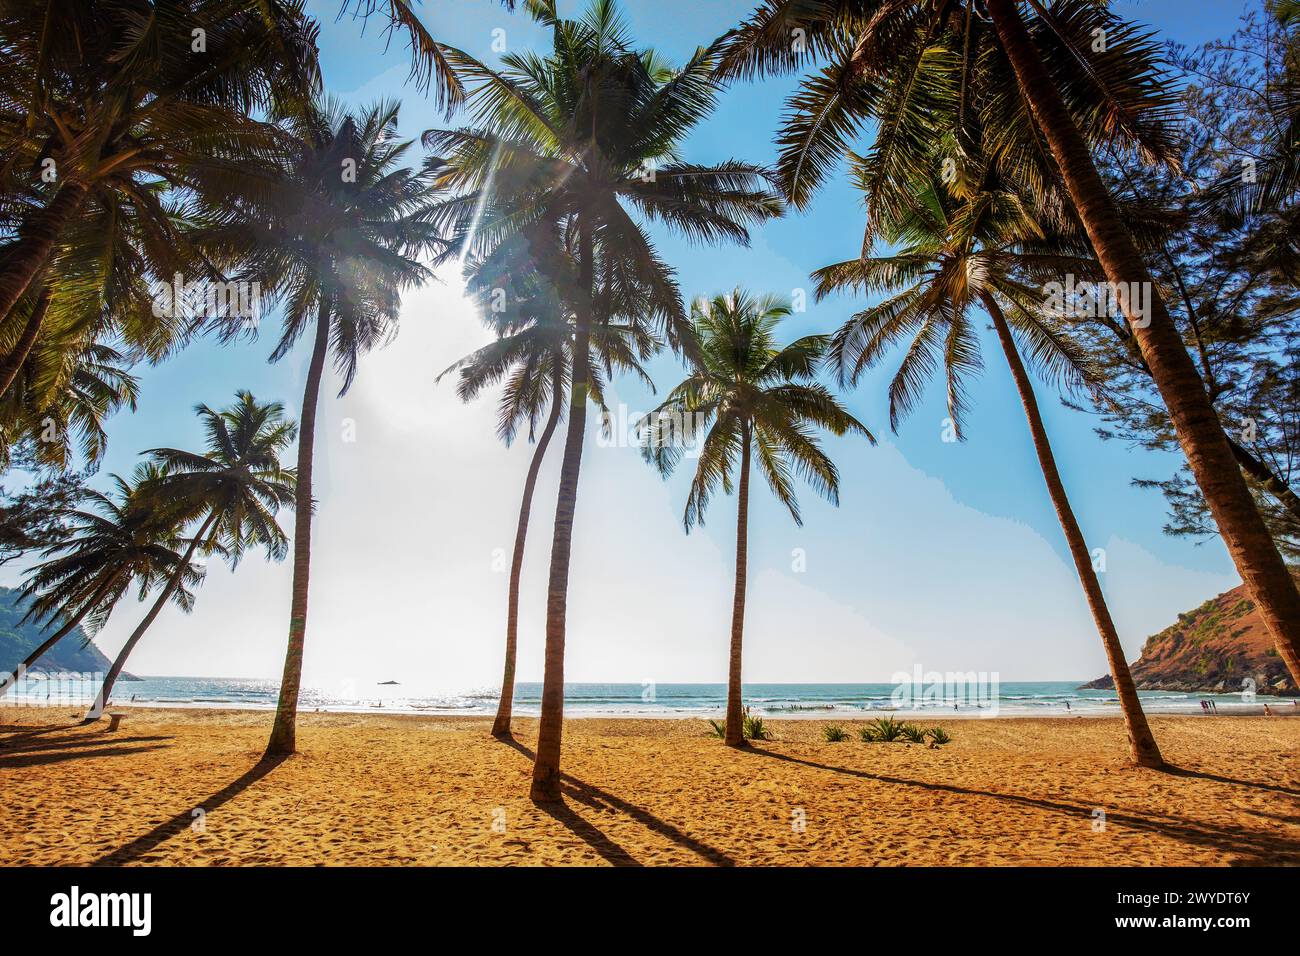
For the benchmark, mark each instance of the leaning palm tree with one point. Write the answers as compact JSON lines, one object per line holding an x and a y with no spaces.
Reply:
{"x":1043,"y":87}
{"x":747,"y":400}
{"x":571,"y":144}
{"x":233,"y":491}
{"x":533,"y":355}
{"x":953,"y":255}
{"x":335,"y":233}
{"x":116,"y":541}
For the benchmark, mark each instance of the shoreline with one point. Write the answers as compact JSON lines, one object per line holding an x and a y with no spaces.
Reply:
{"x":588,"y":701}
{"x":924,"y":715}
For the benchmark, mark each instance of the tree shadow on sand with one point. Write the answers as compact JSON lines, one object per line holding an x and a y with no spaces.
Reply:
{"x":601,"y":800}
{"x":1231,"y":781}
{"x":1247,"y":847}
{"x":35,"y":747}
{"x":181,"y":822}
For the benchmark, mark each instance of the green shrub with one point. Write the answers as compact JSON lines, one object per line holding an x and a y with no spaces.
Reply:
{"x":883,"y":730}
{"x":938,"y":735}
{"x":751,"y":728}
{"x":912,"y":734}
{"x":834,"y":733}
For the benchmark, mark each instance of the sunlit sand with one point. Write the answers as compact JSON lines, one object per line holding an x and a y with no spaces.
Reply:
{"x":187,"y":787}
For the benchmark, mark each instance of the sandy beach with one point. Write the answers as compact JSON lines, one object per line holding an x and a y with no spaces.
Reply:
{"x":186,"y":787}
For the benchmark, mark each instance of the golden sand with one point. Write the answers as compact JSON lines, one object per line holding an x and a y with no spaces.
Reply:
{"x":186,"y":787}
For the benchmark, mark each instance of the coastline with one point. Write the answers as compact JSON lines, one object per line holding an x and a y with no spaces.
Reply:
{"x":189,"y":787}
{"x":806,"y":701}
{"x":1278,"y":707}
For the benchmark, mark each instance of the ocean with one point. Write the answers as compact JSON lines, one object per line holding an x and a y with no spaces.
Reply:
{"x":1019,"y":698}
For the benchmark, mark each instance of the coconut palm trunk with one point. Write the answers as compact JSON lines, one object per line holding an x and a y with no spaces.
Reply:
{"x":735,"y":735}
{"x":546,"y":766}
{"x":13,"y":362}
{"x":501,"y":726}
{"x":106,"y":689}
{"x":1142,"y":744}
{"x":284,"y":733}
{"x":1198,"y":428}
{"x":8,"y":680}
{"x":35,"y":243}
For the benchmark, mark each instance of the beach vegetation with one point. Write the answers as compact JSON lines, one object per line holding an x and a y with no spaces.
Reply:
{"x":882,"y":730}
{"x":1022,"y":90}
{"x":752,"y":727}
{"x":748,"y":400}
{"x":229,"y":494}
{"x":335,"y":229}
{"x":583,"y":142}
{"x":912,"y":733}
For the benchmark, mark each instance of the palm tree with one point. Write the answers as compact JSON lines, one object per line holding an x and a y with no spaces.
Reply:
{"x":62,"y":397}
{"x":565,"y":144}
{"x":954,"y":254}
{"x":429,"y":60}
{"x":758,"y":403}
{"x":533,"y":354}
{"x":889,"y":60}
{"x":116,"y":541}
{"x":124,"y":99}
{"x":233,"y":490}
{"x":334,"y":232}
{"x":97,"y":286}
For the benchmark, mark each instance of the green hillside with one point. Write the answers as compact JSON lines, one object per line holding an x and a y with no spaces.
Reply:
{"x":18,"y":640}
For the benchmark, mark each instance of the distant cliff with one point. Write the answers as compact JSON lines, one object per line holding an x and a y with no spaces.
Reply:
{"x":18,"y":640}
{"x":1213,"y":648}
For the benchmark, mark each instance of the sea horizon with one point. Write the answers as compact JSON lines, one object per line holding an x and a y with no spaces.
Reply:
{"x":641,"y":700}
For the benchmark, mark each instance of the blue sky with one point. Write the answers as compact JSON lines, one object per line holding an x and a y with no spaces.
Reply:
{"x":941,"y":554}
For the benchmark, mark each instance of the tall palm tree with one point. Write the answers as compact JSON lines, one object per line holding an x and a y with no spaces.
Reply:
{"x":533,"y":355}
{"x":760,"y":403}
{"x":954,"y":254}
{"x":233,"y":491}
{"x":116,"y":541}
{"x":566,"y":143}
{"x":334,"y":233}
{"x":112,"y":100}
{"x":1048,"y":86}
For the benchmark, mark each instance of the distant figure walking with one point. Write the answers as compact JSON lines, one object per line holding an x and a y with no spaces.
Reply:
{"x":1267,"y":712}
